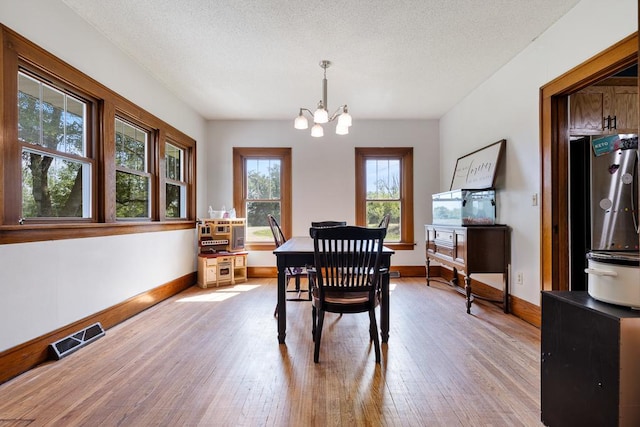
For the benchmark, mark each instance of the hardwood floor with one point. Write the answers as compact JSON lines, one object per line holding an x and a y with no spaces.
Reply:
{"x":210,"y":357}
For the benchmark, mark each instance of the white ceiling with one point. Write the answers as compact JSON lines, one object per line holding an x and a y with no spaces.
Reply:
{"x":252,"y":59}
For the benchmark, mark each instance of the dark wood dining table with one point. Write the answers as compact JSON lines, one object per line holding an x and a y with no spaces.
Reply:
{"x":298,"y":251}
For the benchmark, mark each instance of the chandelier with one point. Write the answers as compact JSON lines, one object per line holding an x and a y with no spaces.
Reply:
{"x":321,"y":115}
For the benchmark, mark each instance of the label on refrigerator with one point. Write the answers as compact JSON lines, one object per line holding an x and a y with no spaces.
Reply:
{"x":610,"y":143}
{"x":605,"y":144}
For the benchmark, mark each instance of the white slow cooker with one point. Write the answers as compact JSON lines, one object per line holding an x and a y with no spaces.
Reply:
{"x":614,"y":277}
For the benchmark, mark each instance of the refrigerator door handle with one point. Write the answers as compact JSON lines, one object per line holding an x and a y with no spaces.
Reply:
{"x":634,"y":194}
{"x":597,"y":272}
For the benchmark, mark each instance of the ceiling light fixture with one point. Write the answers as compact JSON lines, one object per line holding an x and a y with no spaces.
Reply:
{"x":321,"y":114}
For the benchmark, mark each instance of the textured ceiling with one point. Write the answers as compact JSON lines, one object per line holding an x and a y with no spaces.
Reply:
{"x":251,"y":59}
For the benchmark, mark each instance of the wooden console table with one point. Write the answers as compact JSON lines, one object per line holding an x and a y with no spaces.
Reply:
{"x":468,"y":250}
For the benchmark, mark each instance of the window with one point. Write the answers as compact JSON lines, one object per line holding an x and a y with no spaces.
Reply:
{"x":133,"y":180}
{"x":384,"y":185}
{"x":176,"y":186}
{"x":56,"y":171}
{"x":262,"y":185}
{"x":383,"y":195}
{"x":74,"y":161}
{"x":262,"y":194}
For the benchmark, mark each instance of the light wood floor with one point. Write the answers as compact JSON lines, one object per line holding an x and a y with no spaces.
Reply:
{"x":211,"y":358}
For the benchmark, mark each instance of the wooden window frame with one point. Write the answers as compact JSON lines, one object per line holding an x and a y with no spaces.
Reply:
{"x":239,"y":186}
{"x":405,"y":155}
{"x":18,"y":52}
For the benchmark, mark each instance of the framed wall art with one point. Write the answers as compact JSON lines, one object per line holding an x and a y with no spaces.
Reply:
{"x":478,"y":170}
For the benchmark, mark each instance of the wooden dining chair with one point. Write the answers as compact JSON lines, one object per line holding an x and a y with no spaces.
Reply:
{"x":297,"y":273}
{"x":347,"y":276}
{"x":384,"y":222}
{"x":324,"y":224}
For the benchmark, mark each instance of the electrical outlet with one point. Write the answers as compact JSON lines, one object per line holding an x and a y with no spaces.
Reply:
{"x":519,"y":278}
{"x":534,"y":199}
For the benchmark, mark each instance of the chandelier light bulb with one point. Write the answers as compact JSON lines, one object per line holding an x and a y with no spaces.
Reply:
{"x":344,"y":119}
{"x":342,"y":129}
{"x":301,"y":122}
{"x":321,"y":115}
{"x":317,"y":131}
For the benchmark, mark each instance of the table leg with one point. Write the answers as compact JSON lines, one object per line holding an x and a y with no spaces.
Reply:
{"x":282,"y":303}
{"x":467,"y":288}
{"x":428,"y":277}
{"x":384,"y":308}
{"x":505,"y":290}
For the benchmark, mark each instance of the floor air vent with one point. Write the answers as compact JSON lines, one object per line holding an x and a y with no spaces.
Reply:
{"x":73,"y":342}
{"x":394,"y":274}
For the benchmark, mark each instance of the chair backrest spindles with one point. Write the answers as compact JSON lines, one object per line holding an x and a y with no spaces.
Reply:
{"x":278,"y":235}
{"x":347,"y":258}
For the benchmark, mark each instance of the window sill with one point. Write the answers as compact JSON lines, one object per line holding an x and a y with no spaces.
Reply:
{"x":400,"y":246}
{"x":61,"y":231}
{"x":259,"y":247}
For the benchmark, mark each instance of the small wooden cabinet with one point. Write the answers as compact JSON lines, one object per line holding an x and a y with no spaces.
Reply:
{"x":222,"y":269}
{"x":590,"y":366}
{"x":468,"y":250}
{"x":598,"y":110}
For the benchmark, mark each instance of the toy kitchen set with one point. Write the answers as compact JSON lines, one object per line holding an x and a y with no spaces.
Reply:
{"x":222,"y":259}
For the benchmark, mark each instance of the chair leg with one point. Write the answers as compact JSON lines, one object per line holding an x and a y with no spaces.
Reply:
{"x":313,"y":322}
{"x":298,"y":283}
{"x":310,"y":286}
{"x":373,"y":331}
{"x":316,"y":351}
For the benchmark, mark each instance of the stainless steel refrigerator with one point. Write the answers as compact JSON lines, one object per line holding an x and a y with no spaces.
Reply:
{"x":614,"y":193}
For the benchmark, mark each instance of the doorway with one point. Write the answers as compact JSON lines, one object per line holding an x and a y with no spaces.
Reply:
{"x":599,"y":113}
{"x":555,"y":152}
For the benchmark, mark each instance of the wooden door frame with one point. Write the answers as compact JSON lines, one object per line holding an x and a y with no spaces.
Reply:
{"x":554,"y":150}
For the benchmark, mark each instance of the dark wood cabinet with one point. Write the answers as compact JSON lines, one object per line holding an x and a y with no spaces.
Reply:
{"x":468,"y":250}
{"x":590,"y":365}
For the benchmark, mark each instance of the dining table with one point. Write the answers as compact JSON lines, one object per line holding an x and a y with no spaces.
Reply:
{"x":297,"y":252}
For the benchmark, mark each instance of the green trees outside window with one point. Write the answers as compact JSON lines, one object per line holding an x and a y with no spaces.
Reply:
{"x":263,"y":196}
{"x":383,"y":195}
{"x":133,"y":182}
{"x":176,"y":187}
{"x":56,"y":173}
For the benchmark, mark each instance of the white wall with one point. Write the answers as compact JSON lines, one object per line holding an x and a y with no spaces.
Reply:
{"x":507,"y":106}
{"x":323,"y":170}
{"x":47,"y":285}
{"x":50,"y":284}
